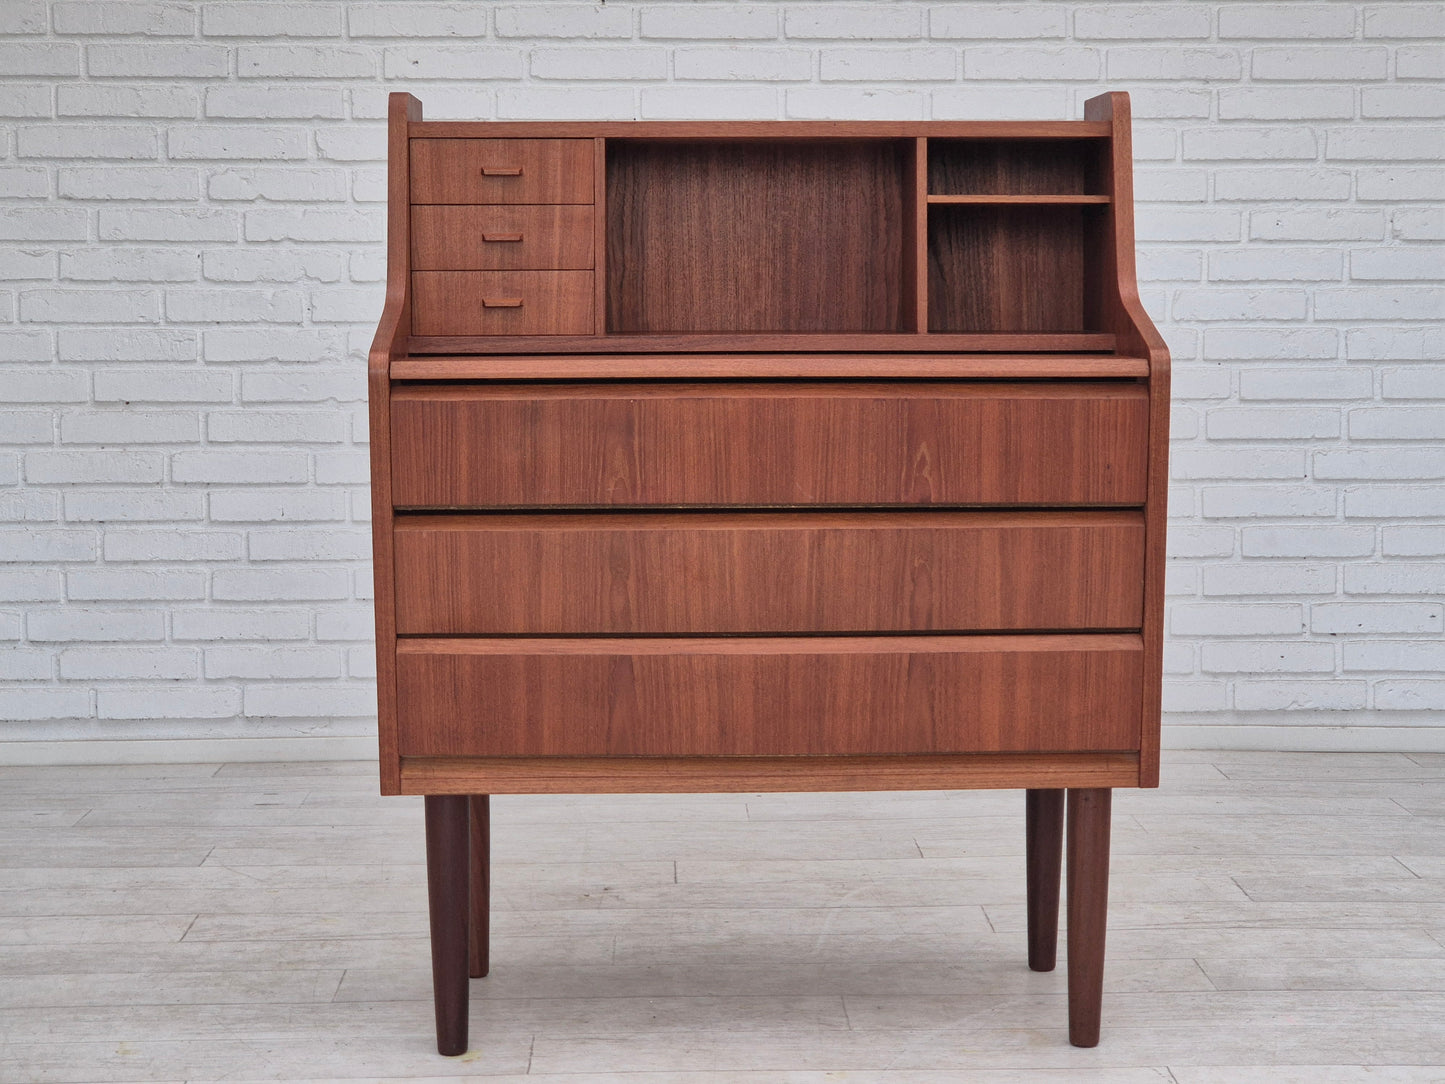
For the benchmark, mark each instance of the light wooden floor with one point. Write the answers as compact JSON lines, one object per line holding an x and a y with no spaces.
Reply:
{"x":1274,"y":917}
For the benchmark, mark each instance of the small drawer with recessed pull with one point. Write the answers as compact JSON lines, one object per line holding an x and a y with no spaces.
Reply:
{"x":502,"y":170}
{"x":479,"y":237}
{"x":501,"y":303}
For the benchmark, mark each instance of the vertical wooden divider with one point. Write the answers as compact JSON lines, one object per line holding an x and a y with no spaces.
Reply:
{"x":599,"y":238}
{"x":919,"y":207}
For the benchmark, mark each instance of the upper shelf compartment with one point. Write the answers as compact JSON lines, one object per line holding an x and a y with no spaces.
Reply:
{"x":756,"y":236}
{"x":1016,"y":171}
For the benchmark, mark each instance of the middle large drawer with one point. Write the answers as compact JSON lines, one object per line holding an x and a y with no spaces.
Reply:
{"x":836,"y":572}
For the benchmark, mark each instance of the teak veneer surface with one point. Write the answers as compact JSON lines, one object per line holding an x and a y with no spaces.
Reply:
{"x":1008,"y":266}
{"x":692,"y":775}
{"x":768,"y":697}
{"x":770,"y":366}
{"x":1101,"y":342}
{"x":768,"y":444}
{"x":690,"y":227}
{"x":483,"y":237}
{"x":1013,"y":167}
{"x":768,"y":573}
{"x":767,"y":456}
{"x":501,"y":302}
{"x":517,"y":170}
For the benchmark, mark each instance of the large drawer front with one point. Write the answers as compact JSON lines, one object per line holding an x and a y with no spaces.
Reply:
{"x":769,"y":444}
{"x":768,"y":697}
{"x":501,"y":302}
{"x":626,"y":574}
{"x":502,"y":170}
{"x":501,"y":236}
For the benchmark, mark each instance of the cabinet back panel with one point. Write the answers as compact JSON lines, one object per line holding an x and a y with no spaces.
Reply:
{"x":755,"y":236}
{"x":1006,"y":268}
{"x":958,"y":167}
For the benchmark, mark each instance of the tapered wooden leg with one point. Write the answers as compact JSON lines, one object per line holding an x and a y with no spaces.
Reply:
{"x":481,"y":885}
{"x":1088,"y":909}
{"x":1044,"y":846}
{"x":447,"y":828}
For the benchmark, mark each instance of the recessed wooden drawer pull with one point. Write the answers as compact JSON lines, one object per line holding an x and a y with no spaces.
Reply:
{"x":501,"y":171}
{"x":501,"y":302}
{"x":497,"y":238}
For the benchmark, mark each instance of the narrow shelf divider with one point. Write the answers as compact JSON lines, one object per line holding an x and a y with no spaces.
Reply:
{"x":1023,"y":199}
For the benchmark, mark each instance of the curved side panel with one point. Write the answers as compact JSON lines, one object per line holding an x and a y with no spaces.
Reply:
{"x":1136,"y":334}
{"x":391,"y":333}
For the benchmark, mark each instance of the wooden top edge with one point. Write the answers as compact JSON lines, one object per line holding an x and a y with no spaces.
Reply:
{"x":745,"y":519}
{"x":734,"y":366}
{"x":766,"y":342}
{"x":770,"y":645}
{"x":767,"y":129}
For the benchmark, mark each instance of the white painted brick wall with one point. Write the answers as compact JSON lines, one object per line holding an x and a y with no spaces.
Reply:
{"x":191,"y":214}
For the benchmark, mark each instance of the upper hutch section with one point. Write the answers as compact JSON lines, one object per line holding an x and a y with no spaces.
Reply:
{"x":637,"y":238}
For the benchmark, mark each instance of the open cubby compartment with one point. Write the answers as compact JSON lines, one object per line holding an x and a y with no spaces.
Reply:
{"x":1017,"y":167}
{"x":733,"y":235}
{"x":1016,"y":267}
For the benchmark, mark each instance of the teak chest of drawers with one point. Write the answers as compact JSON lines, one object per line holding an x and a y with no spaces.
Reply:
{"x":767,"y":456}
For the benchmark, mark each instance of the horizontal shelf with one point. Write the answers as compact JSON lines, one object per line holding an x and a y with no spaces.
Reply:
{"x":1021,"y":199}
{"x":771,"y":366}
{"x":980,"y":342}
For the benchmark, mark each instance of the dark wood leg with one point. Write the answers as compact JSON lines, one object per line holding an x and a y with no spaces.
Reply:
{"x":1088,"y":909}
{"x":481,"y":886}
{"x":447,"y":824}
{"x":1044,"y":846}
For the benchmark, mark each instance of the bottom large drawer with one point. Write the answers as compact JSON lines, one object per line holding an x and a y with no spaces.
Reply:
{"x":775,"y":696}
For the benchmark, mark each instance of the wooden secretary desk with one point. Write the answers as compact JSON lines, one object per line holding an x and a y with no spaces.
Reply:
{"x":767,"y":456}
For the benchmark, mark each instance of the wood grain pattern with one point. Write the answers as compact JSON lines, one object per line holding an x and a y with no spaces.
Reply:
{"x":771,"y":366}
{"x":548,"y":170}
{"x":501,"y":302}
{"x":915,"y":235}
{"x":776,"y":696}
{"x":689,"y":228}
{"x":1123,"y":313}
{"x":599,"y":236}
{"x":402,"y":111}
{"x":1013,"y":267}
{"x":694,"y":775}
{"x":1012,"y":167}
{"x":463,"y":237}
{"x":768,"y":573}
{"x":769,"y":129}
{"x":1089,"y":820}
{"x":447,"y":861}
{"x":479,"y":886}
{"x":768,"y":444}
{"x":1014,"y":199}
{"x":1043,"y":860}
{"x":977,"y":342}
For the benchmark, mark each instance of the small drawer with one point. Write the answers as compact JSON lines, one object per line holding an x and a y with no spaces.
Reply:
{"x":501,"y":302}
{"x":731,"y":444}
{"x":479,"y":237}
{"x":770,"y":696}
{"x":709,"y":573}
{"x":502,"y":170}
